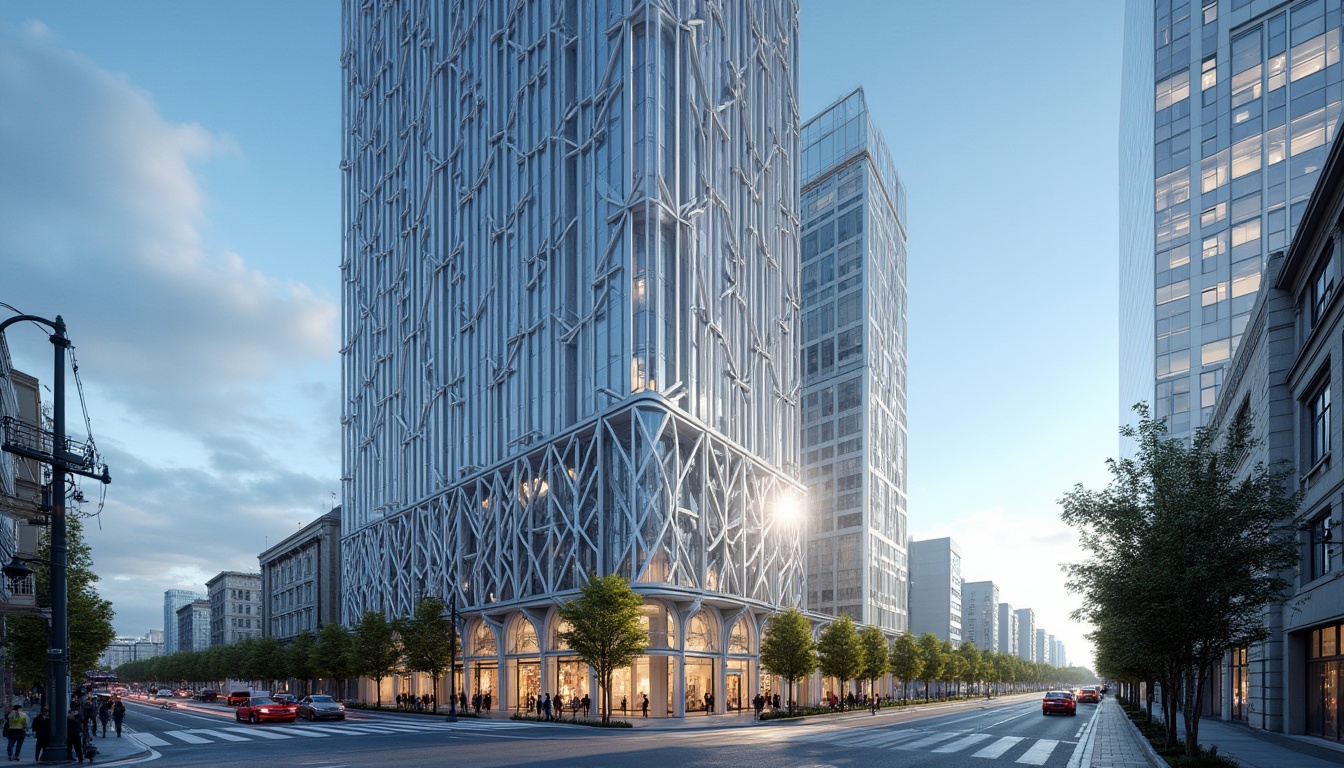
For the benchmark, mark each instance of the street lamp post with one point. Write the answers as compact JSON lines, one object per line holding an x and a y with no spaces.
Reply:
{"x":62,"y":462}
{"x":452,"y":658}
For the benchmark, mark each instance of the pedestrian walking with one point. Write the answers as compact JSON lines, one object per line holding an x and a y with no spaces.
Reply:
{"x":105,"y":715}
{"x":644,"y":705}
{"x":546,"y":706}
{"x":622,"y":705}
{"x":486,"y":699}
{"x":118,"y":714}
{"x":89,"y":712}
{"x":16,"y":728}
{"x":74,"y":736}
{"x":41,"y":734}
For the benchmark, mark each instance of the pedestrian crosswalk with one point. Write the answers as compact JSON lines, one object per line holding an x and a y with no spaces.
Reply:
{"x":191,"y":736}
{"x":1018,"y":749}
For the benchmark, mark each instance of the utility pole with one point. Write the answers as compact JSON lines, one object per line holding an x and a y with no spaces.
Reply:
{"x":62,"y":461}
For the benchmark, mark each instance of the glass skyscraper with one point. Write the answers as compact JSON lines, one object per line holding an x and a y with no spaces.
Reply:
{"x":174,"y":599}
{"x":570,"y":306}
{"x":1228,"y":110}
{"x":854,"y":368}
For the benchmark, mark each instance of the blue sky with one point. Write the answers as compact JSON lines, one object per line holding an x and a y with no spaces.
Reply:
{"x":171,"y":187}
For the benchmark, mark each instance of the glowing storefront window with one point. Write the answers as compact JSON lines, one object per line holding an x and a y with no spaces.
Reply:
{"x":483,"y":641}
{"x":698,"y":636}
{"x":524,"y":638}
{"x":738,"y":640}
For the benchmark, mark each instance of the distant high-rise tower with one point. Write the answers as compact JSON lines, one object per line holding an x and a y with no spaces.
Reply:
{"x":980,"y":614}
{"x":1228,"y":108}
{"x":935,"y":589}
{"x":1026,"y":634}
{"x":854,"y":361}
{"x":174,"y":599}
{"x":570,"y":304}
{"x":1007,"y":629}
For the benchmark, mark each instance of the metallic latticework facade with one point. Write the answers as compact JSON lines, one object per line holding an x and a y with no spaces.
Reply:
{"x":570,"y":298}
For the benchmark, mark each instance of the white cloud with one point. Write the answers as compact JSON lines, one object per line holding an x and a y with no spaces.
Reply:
{"x":206,"y":367}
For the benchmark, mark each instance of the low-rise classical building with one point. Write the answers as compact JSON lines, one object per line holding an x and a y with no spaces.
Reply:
{"x":235,"y":607}
{"x":935,"y":589}
{"x":1282,"y":376}
{"x":301,"y":580}
{"x":980,"y":614}
{"x":193,"y":626}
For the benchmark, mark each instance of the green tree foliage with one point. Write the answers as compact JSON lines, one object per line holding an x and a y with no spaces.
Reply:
{"x":428,"y":637}
{"x":969,"y":669}
{"x":840,"y":652}
{"x":932,"y":660}
{"x":875,"y":659}
{"x":334,"y":655}
{"x":787,"y":648}
{"x":377,"y":650}
{"x":907,"y":663}
{"x":952,"y":664}
{"x":604,"y":629}
{"x":299,"y":661}
{"x":1187,"y":549}
{"x":90,"y":616}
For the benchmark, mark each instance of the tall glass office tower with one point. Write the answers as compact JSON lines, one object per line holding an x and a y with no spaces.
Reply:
{"x":570,"y":298}
{"x":174,"y":599}
{"x":854,"y":364}
{"x":1229,"y":107}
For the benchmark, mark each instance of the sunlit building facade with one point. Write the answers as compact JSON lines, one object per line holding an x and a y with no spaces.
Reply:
{"x":854,"y":368}
{"x":1228,"y":110}
{"x":570,"y":304}
{"x":935,"y":589}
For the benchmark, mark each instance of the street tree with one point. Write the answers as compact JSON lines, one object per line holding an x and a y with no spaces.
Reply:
{"x":299,"y":661}
{"x":334,"y":656}
{"x":428,"y":638}
{"x":876,"y":662}
{"x":1231,"y":529}
{"x":604,"y":629}
{"x":970,"y":669}
{"x":787,"y":648}
{"x":906,"y":662}
{"x":932,"y":661}
{"x":89,"y":615}
{"x":377,"y":650}
{"x":952,"y":664}
{"x":840,"y":652}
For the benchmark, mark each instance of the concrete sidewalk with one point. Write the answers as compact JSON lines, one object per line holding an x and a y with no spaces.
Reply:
{"x":1262,"y":749}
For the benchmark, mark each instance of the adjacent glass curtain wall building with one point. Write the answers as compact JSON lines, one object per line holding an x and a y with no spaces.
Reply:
{"x":1244,"y":98}
{"x":570,"y":303}
{"x":854,"y":368}
{"x":174,"y":599}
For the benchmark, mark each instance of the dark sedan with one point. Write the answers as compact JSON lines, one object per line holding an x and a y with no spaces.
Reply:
{"x":321,"y":707}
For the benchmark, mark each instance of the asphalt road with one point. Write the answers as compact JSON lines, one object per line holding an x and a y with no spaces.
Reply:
{"x":1004,"y":733}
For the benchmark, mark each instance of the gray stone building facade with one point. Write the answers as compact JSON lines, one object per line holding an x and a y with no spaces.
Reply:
{"x":301,"y":580}
{"x":235,"y":607}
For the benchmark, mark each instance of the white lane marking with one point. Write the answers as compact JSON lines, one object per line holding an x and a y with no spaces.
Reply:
{"x":826,"y":735}
{"x":149,"y":740}
{"x":927,"y":742}
{"x":999,"y":747}
{"x":890,"y":737}
{"x":1039,"y":752}
{"x":219,"y":734}
{"x":960,"y":744}
{"x":186,"y":736}
{"x":305,"y":731}
{"x":258,"y":733}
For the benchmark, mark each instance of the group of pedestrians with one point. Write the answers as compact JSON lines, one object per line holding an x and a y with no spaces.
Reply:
{"x":81,"y":726}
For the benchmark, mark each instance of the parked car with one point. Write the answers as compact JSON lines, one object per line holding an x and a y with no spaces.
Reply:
{"x":207,"y":694}
{"x":285,"y":698}
{"x":237,"y":698}
{"x":1089,"y":695}
{"x":321,"y":707}
{"x":264,"y":709}
{"x":1059,"y":701}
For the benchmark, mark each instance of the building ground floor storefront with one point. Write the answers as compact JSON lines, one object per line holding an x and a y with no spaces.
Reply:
{"x":702,"y":658}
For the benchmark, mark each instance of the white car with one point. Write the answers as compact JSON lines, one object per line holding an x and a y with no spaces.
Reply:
{"x":163,"y":693}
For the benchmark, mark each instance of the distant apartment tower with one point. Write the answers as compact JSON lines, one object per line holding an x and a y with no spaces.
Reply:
{"x":853,"y":348}
{"x":173,"y":600}
{"x":935,"y":589}
{"x":980,"y":614}
{"x":1228,"y":108}
{"x":301,"y":579}
{"x":1040,"y":648}
{"x":125,"y":649}
{"x":1057,"y":654}
{"x":1026,"y":634}
{"x":193,"y":626}
{"x":235,"y":607}
{"x":1007,"y":629}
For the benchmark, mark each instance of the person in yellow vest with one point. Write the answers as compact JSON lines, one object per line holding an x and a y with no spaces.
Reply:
{"x":16,"y":728}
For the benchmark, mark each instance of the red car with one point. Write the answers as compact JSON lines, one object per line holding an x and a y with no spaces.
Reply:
{"x":1059,"y":701}
{"x":1089,"y":696}
{"x":264,"y":709}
